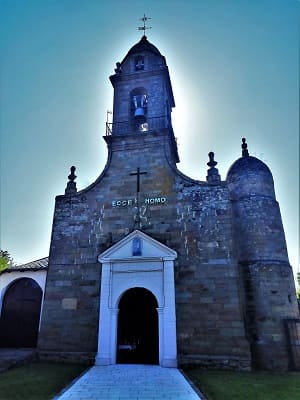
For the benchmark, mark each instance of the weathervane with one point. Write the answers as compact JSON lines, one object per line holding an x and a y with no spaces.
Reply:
{"x":143,"y":28}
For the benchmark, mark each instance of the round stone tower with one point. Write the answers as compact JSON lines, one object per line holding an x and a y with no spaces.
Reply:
{"x":266,"y":274}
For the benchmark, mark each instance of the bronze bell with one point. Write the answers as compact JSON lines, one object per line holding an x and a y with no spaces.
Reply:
{"x":140,"y":106}
{"x":139,"y":112}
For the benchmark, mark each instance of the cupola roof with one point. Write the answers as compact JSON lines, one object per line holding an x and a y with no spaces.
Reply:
{"x":249,"y":176}
{"x":143,"y":45}
{"x":244,"y":165}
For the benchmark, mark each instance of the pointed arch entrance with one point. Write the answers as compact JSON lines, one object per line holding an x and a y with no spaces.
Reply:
{"x":137,"y":328}
{"x":20,"y":316}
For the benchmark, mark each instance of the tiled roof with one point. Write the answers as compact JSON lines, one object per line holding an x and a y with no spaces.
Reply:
{"x":36,"y":265}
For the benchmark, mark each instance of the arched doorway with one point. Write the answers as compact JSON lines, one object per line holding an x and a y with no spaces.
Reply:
{"x":20,"y":314}
{"x":141,"y":281}
{"x":137,"y":328}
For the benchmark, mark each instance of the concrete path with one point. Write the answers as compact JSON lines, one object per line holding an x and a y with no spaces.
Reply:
{"x":130,"y":382}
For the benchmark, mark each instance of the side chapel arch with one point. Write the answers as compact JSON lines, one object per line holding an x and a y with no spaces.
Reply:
{"x":20,"y":313}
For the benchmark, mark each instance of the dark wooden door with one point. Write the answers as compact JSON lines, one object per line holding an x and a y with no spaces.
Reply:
{"x":20,"y":314}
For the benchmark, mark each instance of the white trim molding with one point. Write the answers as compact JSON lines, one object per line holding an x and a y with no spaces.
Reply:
{"x":152,"y":269}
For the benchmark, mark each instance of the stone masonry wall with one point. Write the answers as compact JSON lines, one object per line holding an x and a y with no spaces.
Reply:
{"x":156,"y":93}
{"x":192,"y":218}
{"x":270,"y":295}
{"x":270,"y":299}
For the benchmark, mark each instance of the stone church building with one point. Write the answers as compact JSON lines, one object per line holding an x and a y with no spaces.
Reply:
{"x":147,"y":265}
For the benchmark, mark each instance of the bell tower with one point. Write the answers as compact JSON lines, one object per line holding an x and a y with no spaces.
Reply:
{"x":143,"y":96}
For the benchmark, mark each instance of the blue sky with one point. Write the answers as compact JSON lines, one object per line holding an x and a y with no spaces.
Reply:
{"x":234,"y":71}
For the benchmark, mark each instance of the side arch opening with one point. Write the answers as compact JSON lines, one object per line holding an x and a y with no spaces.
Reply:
{"x":20,"y":316}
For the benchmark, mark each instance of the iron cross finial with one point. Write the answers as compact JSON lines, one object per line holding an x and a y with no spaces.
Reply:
{"x":143,"y":28}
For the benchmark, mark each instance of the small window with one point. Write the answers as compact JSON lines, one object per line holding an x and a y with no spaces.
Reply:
{"x":139,"y":63}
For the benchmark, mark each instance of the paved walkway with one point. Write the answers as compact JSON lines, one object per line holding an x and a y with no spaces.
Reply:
{"x":130,"y":382}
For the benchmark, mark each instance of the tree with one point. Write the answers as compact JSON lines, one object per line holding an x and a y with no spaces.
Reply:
{"x":5,"y":260}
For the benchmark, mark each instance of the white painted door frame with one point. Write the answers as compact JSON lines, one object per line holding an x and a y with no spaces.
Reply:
{"x":155,"y":273}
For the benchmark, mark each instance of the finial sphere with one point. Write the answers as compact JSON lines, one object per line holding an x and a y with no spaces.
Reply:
{"x":72,"y":175}
{"x":245,"y":152}
{"x":212,"y":163}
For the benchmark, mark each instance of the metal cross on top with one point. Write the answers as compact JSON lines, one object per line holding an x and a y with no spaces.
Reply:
{"x":138,"y":173}
{"x":143,"y":28}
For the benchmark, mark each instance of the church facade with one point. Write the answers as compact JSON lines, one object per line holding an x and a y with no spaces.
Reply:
{"x":147,"y":265}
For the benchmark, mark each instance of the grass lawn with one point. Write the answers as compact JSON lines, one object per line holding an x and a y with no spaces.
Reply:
{"x":225,"y":385}
{"x":37,"y":381}
{"x":42,"y":381}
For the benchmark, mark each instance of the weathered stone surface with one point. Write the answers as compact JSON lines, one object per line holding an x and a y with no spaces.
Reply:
{"x":234,"y":286}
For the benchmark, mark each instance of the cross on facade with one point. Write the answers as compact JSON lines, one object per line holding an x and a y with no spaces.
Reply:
{"x":138,"y":173}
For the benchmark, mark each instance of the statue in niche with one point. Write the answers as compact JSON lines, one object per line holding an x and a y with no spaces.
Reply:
{"x":137,"y":247}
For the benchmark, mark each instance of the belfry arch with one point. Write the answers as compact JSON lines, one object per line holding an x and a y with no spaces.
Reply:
{"x":148,"y":278}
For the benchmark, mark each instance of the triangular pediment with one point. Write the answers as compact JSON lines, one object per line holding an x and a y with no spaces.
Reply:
{"x":137,"y":245}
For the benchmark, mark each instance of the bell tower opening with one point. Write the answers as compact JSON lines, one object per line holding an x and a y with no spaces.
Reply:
{"x":139,"y":100}
{"x":143,"y":99}
{"x":137,"y":328}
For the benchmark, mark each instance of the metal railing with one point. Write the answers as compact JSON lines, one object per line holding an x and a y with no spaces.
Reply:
{"x":125,"y":127}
